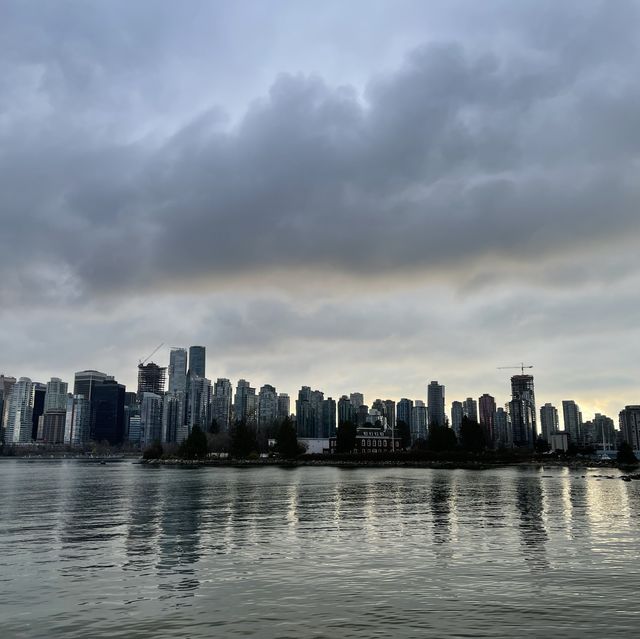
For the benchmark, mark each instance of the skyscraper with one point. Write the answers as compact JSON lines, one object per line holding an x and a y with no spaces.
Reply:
{"x":548,"y":421}
{"x":76,"y":433}
{"x":38,"y":392}
{"x":151,"y":379}
{"x":328,"y":418}
{"x":172,"y":417}
{"x":357,"y":399}
{"x":85,"y":381}
{"x":390,"y":412}
{"x":199,"y":403}
{"x":346,"y":411}
{"x":177,"y":370}
{"x":197,"y":356}
{"x":19,"y":422}
{"x":221,"y":402}
{"x":630,"y":426}
{"x":470,"y":409}
{"x":435,"y":404}
{"x":503,"y":431}
{"x":6,"y":387}
{"x":107,"y":411}
{"x":572,"y":418}
{"x":245,"y":403}
{"x":267,"y":406}
{"x":487,"y":414}
{"x":522,"y":409}
{"x":56,"y":395}
{"x":150,"y":419}
{"x":418,"y":421}
{"x":456,"y":417}
{"x":404,"y":411}
{"x":53,"y":425}
{"x":284,"y":406}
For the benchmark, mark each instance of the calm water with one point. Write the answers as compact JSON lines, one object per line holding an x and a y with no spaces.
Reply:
{"x":129,"y":551}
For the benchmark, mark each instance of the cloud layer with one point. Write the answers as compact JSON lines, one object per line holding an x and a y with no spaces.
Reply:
{"x":466,"y":163}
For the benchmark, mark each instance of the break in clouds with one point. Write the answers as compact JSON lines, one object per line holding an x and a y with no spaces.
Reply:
{"x":471,"y":180}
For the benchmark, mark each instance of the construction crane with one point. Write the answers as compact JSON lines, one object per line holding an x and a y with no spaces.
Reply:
{"x":522,"y":366}
{"x":142,"y":362}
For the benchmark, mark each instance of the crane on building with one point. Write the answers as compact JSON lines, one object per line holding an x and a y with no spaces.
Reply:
{"x":521,"y":366}
{"x":142,"y":362}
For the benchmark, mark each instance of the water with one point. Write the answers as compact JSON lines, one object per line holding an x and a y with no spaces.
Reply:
{"x":129,"y":551}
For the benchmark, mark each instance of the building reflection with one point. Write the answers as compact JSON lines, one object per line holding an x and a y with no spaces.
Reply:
{"x":530,"y":506}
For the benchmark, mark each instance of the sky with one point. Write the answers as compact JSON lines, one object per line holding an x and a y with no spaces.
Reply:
{"x":360,"y":196}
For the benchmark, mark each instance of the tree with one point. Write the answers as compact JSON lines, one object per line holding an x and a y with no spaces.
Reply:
{"x":214,"y":427}
{"x":542,"y":446}
{"x":471,"y":435}
{"x":626,"y":456}
{"x":243,"y":440}
{"x":194,"y":446}
{"x":441,"y":438}
{"x":403,"y":433}
{"x":153,"y":451}
{"x":287,"y":439}
{"x":346,"y":437}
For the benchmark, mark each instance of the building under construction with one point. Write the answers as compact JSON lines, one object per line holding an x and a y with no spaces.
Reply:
{"x":151,"y":379}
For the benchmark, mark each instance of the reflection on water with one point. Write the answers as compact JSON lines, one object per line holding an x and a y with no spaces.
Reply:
{"x":130,"y":551}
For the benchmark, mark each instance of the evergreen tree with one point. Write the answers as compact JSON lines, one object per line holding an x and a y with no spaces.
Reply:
{"x":403,"y":433}
{"x":471,"y":435}
{"x":626,"y":456}
{"x":243,"y":440}
{"x":287,"y":439}
{"x":194,"y":446}
{"x":346,"y":437}
{"x":441,"y":438}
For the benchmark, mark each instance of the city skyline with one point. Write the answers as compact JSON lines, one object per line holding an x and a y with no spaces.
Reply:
{"x":450,"y":191}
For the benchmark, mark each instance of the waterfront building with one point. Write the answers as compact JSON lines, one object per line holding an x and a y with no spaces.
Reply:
{"x":503,"y":430}
{"x":107,"y":412}
{"x":470,"y":409}
{"x":134,"y":430}
{"x":572,"y":421}
{"x":456,"y":417}
{"x":370,"y":440}
{"x":85,"y":381}
{"x":178,"y":370}
{"x":487,"y":413}
{"x":78,"y":421}
{"x":197,"y":357}
{"x":548,"y":421}
{"x":151,"y":379}
{"x":630,"y":425}
{"x":346,"y":410}
{"x":245,"y":403}
{"x":522,"y":411}
{"x":559,"y":441}
{"x":267,"y":406}
{"x":173,"y":411}
{"x":53,"y":425}
{"x":284,"y":406}
{"x":6,"y":387}
{"x":328,"y":418}
{"x":198,"y":404}
{"x":221,"y":403}
{"x":404,"y":411}
{"x":390,"y":412}
{"x":56,"y":395}
{"x":357,"y":400}
{"x":435,"y":404}
{"x":418,"y":424}
{"x":19,"y":420}
{"x":131,"y":411}
{"x":38,"y":394}
{"x":150,"y":419}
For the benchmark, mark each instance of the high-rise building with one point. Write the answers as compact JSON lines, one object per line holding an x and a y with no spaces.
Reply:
{"x":77,"y":424}
{"x":178,"y":370}
{"x":284,"y":406}
{"x":604,"y":433}
{"x":19,"y":421}
{"x":470,"y":409}
{"x":56,"y":395}
{"x":548,"y":421}
{"x":151,"y":379}
{"x":267,"y":406}
{"x":456,"y":417}
{"x":245,"y":403}
{"x":150,"y":419}
{"x":357,"y":400}
{"x":404,"y":411}
{"x":346,"y":411}
{"x":487,"y":414}
{"x":199,"y":403}
{"x":390,"y":412}
{"x":6,"y":387}
{"x":197,"y":356}
{"x":572,"y":421}
{"x":172,"y":417}
{"x":53,"y":425}
{"x":522,"y":411}
{"x":328,"y":418}
{"x":503,"y":431}
{"x":418,"y":421}
{"x":630,"y":426}
{"x":107,"y":411}
{"x":221,"y":403}
{"x":435,"y":404}
{"x":38,"y":392}
{"x":85,"y":381}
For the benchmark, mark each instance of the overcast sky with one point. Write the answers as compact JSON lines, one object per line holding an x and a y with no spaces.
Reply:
{"x":355,"y":196}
